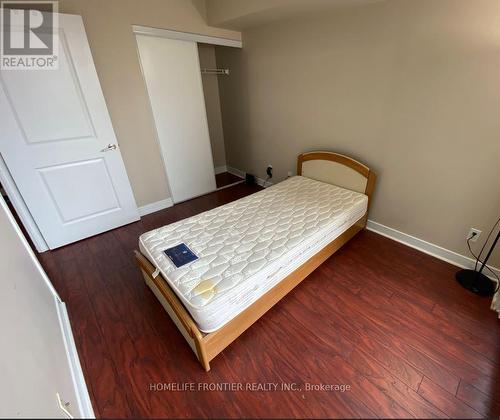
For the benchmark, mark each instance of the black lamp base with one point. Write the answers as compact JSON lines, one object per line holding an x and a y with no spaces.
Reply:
{"x":476,"y":282}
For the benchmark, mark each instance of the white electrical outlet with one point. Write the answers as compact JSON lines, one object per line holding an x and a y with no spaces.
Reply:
{"x":474,"y":234}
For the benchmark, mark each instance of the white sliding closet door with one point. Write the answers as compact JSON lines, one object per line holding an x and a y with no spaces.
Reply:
{"x":171,"y":71}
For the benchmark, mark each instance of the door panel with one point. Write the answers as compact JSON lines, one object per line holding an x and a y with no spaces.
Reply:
{"x":172,"y":74}
{"x":90,"y":201}
{"x":54,"y":133}
{"x":45,"y":123}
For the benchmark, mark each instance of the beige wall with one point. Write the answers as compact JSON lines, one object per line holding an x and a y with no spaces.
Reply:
{"x":212,"y":104}
{"x":412,"y":88}
{"x":108,"y":25}
{"x":34,"y":362}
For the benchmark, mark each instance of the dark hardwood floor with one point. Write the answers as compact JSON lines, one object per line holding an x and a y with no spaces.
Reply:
{"x":225,"y":178}
{"x":378,"y":316}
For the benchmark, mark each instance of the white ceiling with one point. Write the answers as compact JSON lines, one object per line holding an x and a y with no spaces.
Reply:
{"x":243,"y":14}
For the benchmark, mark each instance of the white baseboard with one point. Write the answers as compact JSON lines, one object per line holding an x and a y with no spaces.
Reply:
{"x":220,"y":169}
{"x":157,"y":206}
{"x":263,"y":183}
{"x":426,"y":247}
{"x":230,"y":185}
{"x":242,"y":174}
{"x":235,"y":171}
{"x":84,"y":405}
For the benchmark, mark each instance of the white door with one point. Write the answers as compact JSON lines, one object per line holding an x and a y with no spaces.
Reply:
{"x":54,"y":135}
{"x":38,"y":360}
{"x":172,"y":74}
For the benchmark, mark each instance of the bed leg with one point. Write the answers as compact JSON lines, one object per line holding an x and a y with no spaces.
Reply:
{"x":362,"y":222}
{"x":202,"y":354}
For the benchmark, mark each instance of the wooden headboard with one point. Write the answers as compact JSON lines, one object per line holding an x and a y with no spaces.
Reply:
{"x":337,"y":169}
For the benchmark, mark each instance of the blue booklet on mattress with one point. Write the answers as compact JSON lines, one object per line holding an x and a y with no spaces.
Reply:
{"x":180,"y":255}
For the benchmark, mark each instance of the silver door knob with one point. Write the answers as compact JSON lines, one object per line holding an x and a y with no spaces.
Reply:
{"x":109,"y":147}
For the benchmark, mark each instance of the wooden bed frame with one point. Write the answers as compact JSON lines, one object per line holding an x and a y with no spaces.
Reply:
{"x":207,"y":346}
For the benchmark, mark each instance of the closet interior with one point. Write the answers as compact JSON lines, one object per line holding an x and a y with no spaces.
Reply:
{"x":213,"y":76}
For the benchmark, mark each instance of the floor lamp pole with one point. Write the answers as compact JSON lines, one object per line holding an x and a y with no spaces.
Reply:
{"x":476,"y":281}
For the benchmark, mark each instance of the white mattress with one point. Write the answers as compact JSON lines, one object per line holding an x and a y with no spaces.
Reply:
{"x":248,"y":246}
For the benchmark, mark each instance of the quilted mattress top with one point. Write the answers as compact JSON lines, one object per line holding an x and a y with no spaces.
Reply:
{"x":245,"y":239}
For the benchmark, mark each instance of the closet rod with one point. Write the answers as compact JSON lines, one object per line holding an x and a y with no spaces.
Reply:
{"x":224,"y":72}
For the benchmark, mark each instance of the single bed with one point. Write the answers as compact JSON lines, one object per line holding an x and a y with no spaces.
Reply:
{"x":253,"y":251}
